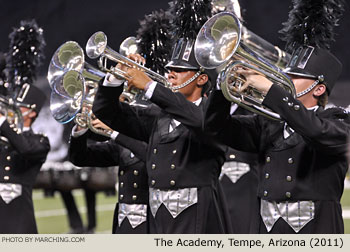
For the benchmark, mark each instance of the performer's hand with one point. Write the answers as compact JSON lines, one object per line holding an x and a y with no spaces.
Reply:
{"x":96,"y":123}
{"x":78,"y":128}
{"x":137,"y":58}
{"x":255,"y":80}
{"x":134,"y":57}
{"x":137,"y":79}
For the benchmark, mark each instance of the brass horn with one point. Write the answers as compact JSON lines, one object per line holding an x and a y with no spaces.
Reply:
{"x":219,"y":45}
{"x":133,"y":97}
{"x":228,"y":6}
{"x":97,"y":47}
{"x":72,"y":97}
{"x":74,"y":84}
{"x":129,"y":46}
{"x":263,"y":48}
{"x":70,"y":56}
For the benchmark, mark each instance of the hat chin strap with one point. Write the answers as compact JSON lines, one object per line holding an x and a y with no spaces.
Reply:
{"x":187,"y":82}
{"x":308,"y":89}
{"x":27,"y":112}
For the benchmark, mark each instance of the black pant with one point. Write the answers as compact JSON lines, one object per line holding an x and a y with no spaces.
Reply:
{"x":75,"y":221}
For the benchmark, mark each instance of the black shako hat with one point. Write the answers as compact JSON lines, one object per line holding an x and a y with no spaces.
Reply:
{"x":315,"y":63}
{"x":308,"y":34}
{"x":189,"y":17}
{"x":183,"y":59}
{"x":25,"y":55}
{"x":31,"y":95}
{"x":154,"y":39}
{"x":183,"y":56}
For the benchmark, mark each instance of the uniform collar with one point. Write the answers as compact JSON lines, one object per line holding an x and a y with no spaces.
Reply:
{"x":314,"y":108}
{"x":25,"y":129}
{"x":197,"y":102}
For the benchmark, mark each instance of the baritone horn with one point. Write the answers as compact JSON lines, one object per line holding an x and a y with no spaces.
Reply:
{"x":219,"y":45}
{"x":97,"y":47}
{"x":261,"y":47}
{"x":74,"y":84}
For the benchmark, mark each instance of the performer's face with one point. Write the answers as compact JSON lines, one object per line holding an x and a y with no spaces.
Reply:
{"x":176,"y":78}
{"x":301,"y":83}
{"x":28,"y":116}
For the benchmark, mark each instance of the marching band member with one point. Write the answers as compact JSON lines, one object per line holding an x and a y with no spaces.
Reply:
{"x":183,"y":165}
{"x":303,"y":161}
{"x":239,"y":181}
{"x":130,"y":214}
{"x":21,"y":160}
{"x":22,"y":153}
{"x":239,"y":174}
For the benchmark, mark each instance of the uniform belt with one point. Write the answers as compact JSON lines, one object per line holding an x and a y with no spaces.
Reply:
{"x":243,"y":156}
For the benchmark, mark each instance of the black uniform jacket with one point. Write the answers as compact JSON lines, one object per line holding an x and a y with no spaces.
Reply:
{"x":20,"y":163}
{"x":183,"y":158}
{"x":309,"y":165}
{"x":132,"y":175}
{"x":242,"y":200}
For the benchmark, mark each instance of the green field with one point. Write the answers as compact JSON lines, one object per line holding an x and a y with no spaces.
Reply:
{"x":51,"y":214}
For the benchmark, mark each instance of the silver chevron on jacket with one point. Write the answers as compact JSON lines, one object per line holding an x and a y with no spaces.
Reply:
{"x":9,"y":192}
{"x":174,"y":200}
{"x":296,"y":214}
{"x":234,"y":170}
{"x":136,"y":214}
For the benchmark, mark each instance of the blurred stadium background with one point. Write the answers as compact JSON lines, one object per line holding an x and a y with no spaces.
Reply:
{"x":51,"y":214}
{"x":64,"y":20}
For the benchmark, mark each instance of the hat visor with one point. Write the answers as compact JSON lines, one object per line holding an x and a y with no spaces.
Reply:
{"x":298,"y":72}
{"x":181,"y":65}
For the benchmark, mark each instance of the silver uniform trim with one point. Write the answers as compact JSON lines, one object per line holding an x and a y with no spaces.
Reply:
{"x":9,"y":192}
{"x":287,"y":132}
{"x":136,"y":214}
{"x":174,"y":200}
{"x":234,"y":170}
{"x":296,"y":214}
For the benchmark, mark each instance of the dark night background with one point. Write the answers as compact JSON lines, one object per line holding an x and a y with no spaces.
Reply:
{"x":77,"y":20}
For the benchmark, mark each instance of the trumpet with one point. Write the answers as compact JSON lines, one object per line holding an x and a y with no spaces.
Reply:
{"x":219,"y":45}
{"x":133,"y":97}
{"x":129,"y":46}
{"x":97,"y":47}
{"x":74,"y":84}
